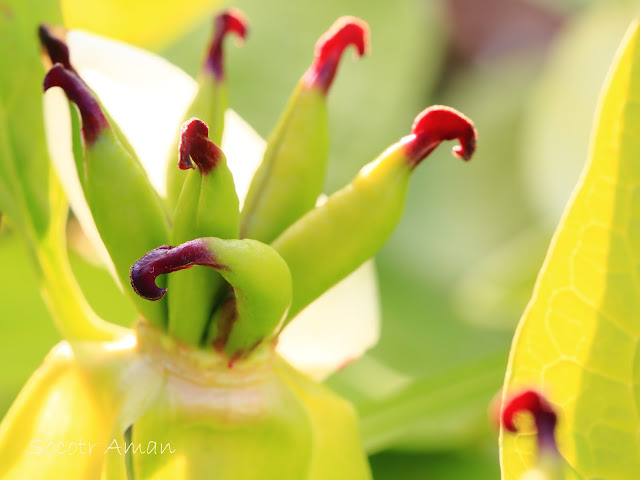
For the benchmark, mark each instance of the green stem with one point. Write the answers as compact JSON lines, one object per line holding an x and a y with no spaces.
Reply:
{"x":72,"y":314}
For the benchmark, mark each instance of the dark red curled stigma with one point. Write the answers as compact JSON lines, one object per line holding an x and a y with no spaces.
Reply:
{"x":195,"y":145}
{"x":56,"y":48}
{"x":231,"y":21}
{"x":544,"y":416}
{"x":93,"y":120}
{"x":330,"y":47}
{"x":167,"y":259}
{"x":436,"y":124}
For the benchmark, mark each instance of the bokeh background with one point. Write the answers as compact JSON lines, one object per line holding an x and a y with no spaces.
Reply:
{"x":458,"y":272}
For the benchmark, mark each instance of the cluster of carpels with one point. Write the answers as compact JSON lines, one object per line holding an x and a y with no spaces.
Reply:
{"x":270,"y":260}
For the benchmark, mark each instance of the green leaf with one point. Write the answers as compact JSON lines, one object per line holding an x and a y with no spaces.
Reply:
{"x":24,"y":166}
{"x":578,"y":338}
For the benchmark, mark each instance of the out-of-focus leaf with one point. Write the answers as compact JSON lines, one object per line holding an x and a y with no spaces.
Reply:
{"x":428,"y":382}
{"x":473,"y":464}
{"x":559,"y":116}
{"x":24,"y":189}
{"x":24,"y":168}
{"x":458,"y":213}
{"x":27,"y":331}
{"x":578,"y":339}
{"x":494,"y":292}
{"x":436,"y":412}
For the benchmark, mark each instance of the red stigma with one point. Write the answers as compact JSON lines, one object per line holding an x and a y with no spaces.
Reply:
{"x":231,"y":21}
{"x":93,"y":120}
{"x":195,"y":145}
{"x":330,"y":47}
{"x":56,"y":48}
{"x":544,"y":416}
{"x":437,"y":124}
{"x":167,"y":259}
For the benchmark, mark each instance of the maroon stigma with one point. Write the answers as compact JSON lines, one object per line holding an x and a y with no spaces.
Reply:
{"x":56,"y":48}
{"x":166,"y":259}
{"x":435,"y":125}
{"x":330,"y":47}
{"x":195,"y":145}
{"x":231,"y":21}
{"x":93,"y":120}
{"x":544,"y":417}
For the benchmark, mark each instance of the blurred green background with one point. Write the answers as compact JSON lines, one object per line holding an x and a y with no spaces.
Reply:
{"x":457,"y":273}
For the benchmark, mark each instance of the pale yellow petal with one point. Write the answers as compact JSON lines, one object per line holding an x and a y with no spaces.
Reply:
{"x":64,"y":418}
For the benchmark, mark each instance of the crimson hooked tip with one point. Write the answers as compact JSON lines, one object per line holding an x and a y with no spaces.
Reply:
{"x":142,"y":274}
{"x":93,"y":120}
{"x":330,"y":48}
{"x":544,"y":416}
{"x":230,"y":21}
{"x":167,"y":259}
{"x":195,"y":145}
{"x":55,"y":46}
{"x":437,"y":124}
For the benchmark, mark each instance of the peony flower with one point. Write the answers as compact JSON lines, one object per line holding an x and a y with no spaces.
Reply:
{"x":217,"y":377}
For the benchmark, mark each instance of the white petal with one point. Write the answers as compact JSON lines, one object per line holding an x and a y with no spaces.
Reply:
{"x":146,"y":95}
{"x":336,"y":328}
{"x":243,"y":148}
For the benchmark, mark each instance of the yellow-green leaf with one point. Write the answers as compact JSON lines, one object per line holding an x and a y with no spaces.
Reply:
{"x":578,"y":339}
